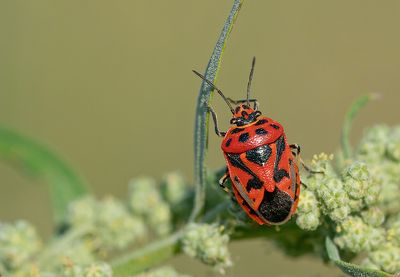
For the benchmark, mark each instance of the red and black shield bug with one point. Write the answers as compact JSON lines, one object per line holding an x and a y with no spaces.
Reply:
{"x":262,"y":166}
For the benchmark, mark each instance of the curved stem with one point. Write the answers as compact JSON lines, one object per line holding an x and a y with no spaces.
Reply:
{"x":351,"y":113}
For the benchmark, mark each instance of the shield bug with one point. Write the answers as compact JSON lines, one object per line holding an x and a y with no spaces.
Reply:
{"x":261,"y":165}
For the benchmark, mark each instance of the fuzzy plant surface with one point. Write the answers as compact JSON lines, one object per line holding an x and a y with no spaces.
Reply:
{"x":349,"y":211}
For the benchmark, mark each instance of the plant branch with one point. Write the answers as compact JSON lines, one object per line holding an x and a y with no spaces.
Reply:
{"x":148,"y":256}
{"x":201,"y":118}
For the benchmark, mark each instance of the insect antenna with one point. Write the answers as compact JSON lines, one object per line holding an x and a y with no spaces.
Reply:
{"x":253,"y":63}
{"x":217,"y":89}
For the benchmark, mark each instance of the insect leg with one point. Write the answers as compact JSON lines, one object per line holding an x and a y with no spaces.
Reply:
{"x":254,"y":101}
{"x":223,"y":180}
{"x":297,"y":148}
{"x":214,"y":116}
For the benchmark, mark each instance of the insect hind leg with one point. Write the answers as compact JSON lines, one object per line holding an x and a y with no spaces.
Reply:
{"x":223,"y":180}
{"x":296,"y":152}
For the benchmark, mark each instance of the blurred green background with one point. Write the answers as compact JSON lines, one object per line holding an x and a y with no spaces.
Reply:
{"x":109,"y":85}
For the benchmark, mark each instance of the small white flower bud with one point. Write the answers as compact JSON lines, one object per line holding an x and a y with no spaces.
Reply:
{"x":322,"y":163}
{"x":356,"y":189}
{"x":175,"y":188}
{"x":82,"y":211}
{"x":393,"y":144}
{"x":143,"y":195}
{"x":386,"y":257}
{"x":307,"y":202}
{"x":308,"y":221}
{"x":98,"y":269}
{"x":145,"y":199}
{"x":373,"y":192}
{"x":373,"y":144}
{"x":79,"y":251}
{"x":355,"y":205}
{"x":18,"y":242}
{"x":332,"y":194}
{"x":340,"y":213}
{"x":358,"y":171}
{"x":356,"y":236}
{"x":115,"y":227}
{"x":373,"y":216}
{"x":207,"y":243}
{"x":160,"y":219}
{"x":393,"y":233}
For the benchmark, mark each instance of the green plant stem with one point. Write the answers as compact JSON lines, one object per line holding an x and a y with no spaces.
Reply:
{"x":348,"y":120}
{"x":202,"y":117}
{"x":61,"y":243}
{"x":148,"y":256}
{"x":161,"y":250}
{"x":156,"y":252}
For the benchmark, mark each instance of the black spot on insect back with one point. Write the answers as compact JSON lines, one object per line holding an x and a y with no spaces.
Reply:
{"x":279,"y":173}
{"x":244,"y":137}
{"x":274,"y":126}
{"x":261,"y":122}
{"x":236,"y":161}
{"x":254,"y":183}
{"x":228,"y":142}
{"x":261,"y":131}
{"x":259,"y":155}
{"x":237,"y":130}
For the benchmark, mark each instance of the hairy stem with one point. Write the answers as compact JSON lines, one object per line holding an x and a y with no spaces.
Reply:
{"x":201,"y":118}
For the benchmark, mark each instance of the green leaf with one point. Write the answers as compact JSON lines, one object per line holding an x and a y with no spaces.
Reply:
{"x":331,"y":249}
{"x":351,"y":113}
{"x":202,"y":116}
{"x":40,"y":162}
{"x":348,"y":268}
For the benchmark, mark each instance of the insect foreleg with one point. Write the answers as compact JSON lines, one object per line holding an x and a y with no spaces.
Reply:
{"x":223,"y":180}
{"x":214,"y":117}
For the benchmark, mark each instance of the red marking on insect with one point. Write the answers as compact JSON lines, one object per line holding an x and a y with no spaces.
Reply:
{"x":260,"y":163}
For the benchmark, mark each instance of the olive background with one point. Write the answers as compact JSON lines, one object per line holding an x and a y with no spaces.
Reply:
{"x":108,"y":84}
